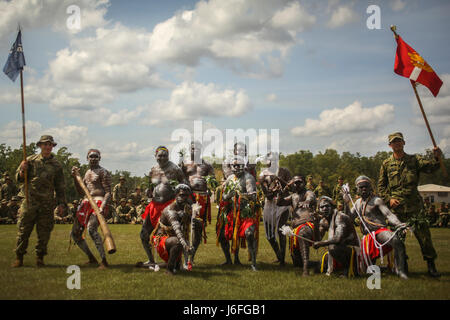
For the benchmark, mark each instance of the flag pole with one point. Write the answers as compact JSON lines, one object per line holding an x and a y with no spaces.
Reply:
{"x":24,"y":137}
{"x":413,"y":84}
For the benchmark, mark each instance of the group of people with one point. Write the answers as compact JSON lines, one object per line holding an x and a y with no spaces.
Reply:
{"x":295,"y":217}
{"x":438,"y":215}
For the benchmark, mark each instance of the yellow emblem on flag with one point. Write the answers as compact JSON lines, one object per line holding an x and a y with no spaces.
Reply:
{"x":419,"y":62}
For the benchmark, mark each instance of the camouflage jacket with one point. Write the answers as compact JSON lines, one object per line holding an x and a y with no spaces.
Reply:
{"x":337,"y":195}
{"x":8,"y":191}
{"x":119,"y":192}
{"x":399,"y":179}
{"x":321,"y":191}
{"x":45,"y":180}
{"x":123,"y":211}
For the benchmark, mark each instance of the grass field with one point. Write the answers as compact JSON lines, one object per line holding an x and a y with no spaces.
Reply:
{"x":207,"y":280}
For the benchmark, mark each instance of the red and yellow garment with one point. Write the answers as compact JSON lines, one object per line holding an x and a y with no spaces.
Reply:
{"x":154,"y":209}
{"x":293,"y":241}
{"x":369,"y":247}
{"x":159,"y":243}
{"x":85,"y":210}
{"x":204,"y":200}
{"x":242,"y":224}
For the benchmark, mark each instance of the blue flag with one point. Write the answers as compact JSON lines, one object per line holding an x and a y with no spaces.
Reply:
{"x":16,"y":59}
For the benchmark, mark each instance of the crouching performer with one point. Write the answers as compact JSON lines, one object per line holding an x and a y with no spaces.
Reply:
{"x":162,"y":194}
{"x":375,"y":216}
{"x":272,"y":180}
{"x":305,"y":222}
{"x":198,"y":171}
{"x":172,"y":230}
{"x":238,"y":218}
{"x":343,"y":244}
{"x":98,"y":182}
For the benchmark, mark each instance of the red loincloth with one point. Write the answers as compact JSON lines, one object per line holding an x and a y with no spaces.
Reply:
{"x":244,"y":225}
{"x":155,"y":209}
{"x":85,"y":210}
{"x":369,"y":245}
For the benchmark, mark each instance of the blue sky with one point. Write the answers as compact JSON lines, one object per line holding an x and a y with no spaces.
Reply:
{"x":135,"y":71}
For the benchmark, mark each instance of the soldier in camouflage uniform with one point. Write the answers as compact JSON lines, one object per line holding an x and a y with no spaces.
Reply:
{"x":8,"y":189}
{"x":5,"y":213}
{"x":337,"y":195}
{"x":45,"y":190}
{"x":140,"y":210}
{"x":120,"y":191}
{"x":14,"y":205}
{"x":397,"y":185}
{"x":321,"y":190}
{"x":442,"y":211}
{"x":309,"y":183}
{"x":136,"y":197}
{"x":124,"y":212}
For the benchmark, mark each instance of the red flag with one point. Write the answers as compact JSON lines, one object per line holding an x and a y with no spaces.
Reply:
{"x":409,"y":64}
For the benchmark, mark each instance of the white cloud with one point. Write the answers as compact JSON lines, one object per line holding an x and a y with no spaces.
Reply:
{"x":192,"y":100}
{"x":436,"y":108}
{"x":397,"y":5}
{"x":342,"y":16}
{"x":271,"y":97}
{"x":353,"y":118}
{"x":252,"y":37}
{"x":34,"y":14}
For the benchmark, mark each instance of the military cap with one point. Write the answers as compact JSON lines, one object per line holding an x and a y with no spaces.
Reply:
{"x":395,"y":135}
{"x":122,"y":177}
{"x":15,"y":198}
{"x":309,"y":176}
{"x":4,"y":201}
{"x":123,"y":200}
{"x":75,"y":201}
{"x":46,"y":138}
{"x":341,"y":178}
{"x":130,"y":201}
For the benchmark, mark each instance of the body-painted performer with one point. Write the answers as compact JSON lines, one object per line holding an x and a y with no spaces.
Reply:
{"x":397,"y":186}
{"x":161,"y":193}
{"x":98,"y":181}
{"x":304,"y":221}
{"x":375,"y":217}
{"x":196,"y":170}
{"x":238,"y":219}
{"x":272,"y":180}
{"x":171,"y":233}
{"x":239,"y":150}
{"x":342,"y":236}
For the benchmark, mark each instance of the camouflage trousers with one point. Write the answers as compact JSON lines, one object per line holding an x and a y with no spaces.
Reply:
{"x":421,"y":229}
{"x":40,"y":214}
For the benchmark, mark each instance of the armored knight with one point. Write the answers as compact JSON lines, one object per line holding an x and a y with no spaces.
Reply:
{"x":272,"y":180}
{"x":375,"y":218}
{"x":98,"y":181}
{"x":197,"y":170}
{"x":238,"y":218}
{"x":171,"y":234}
{"x":304,"y":221}
{"x":161,"y":193}
{"x":342,"y":236}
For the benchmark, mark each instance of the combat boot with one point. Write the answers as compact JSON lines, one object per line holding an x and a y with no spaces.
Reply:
{"x":18,"y":262}
{"x":432,"y":269}
{"x":104,"y":264}
{"x":40,"y":261}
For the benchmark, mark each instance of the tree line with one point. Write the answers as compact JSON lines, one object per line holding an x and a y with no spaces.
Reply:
{"x":327,"y":166}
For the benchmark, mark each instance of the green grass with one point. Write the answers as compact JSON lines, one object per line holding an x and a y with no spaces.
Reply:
{"x":207,"y":280}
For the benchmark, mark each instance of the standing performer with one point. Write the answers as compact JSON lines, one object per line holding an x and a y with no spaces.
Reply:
{"x":238,"y":219}
{"x":397,"y":186}
{"x":304,"y":222}
{"x":171,"y":233}
{"x":342,"y":236}
{"x":239,"y":150}
{"x":162,"y":194}
{"x":196,"y":170}
{"x":45,"y":187}
{"x":98,"y":182}
{"x":272,"y":180}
